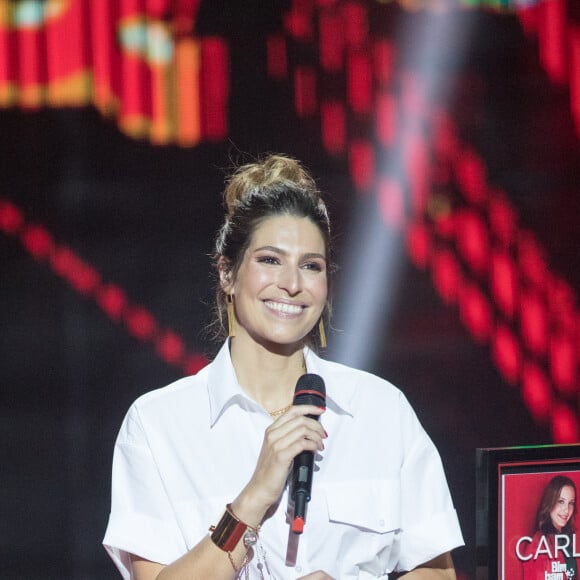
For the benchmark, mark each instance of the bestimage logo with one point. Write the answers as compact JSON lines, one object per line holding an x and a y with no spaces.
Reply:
{"x":553,"y":552}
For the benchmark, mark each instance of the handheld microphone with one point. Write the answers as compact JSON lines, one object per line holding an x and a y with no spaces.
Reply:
{"x":310,"y":390}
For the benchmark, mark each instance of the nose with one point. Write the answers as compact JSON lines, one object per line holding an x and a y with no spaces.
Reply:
{"x":290,"y":280}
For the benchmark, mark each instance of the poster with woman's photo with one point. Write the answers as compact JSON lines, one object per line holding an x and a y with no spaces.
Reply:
{"x":539,"y":525}
{"x":527,"y":522}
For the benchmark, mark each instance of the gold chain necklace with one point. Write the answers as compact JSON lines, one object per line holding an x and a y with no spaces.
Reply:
{"x":279,"y":412}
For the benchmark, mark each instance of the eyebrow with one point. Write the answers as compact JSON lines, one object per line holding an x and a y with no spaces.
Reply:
{"x":308,"y":255}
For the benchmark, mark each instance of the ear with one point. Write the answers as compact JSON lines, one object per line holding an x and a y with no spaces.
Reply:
{"x":225,"y":273}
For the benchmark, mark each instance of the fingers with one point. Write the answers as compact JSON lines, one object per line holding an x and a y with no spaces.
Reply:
{"x":300,"y":410}
{"x":284,"y":439}
{"x":296,"y":432}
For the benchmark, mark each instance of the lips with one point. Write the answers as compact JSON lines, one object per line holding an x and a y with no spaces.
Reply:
{"x":283,"y":307}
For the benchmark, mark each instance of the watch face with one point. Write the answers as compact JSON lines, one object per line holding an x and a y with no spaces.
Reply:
{"x":250,"y":538}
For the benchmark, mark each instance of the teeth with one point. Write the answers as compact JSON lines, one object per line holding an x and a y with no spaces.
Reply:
{"x":285,"y":308}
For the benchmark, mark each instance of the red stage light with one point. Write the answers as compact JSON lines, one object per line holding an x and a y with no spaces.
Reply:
{"x":506,"y":353}
{"x":140,"y":323}
{"x":574,"y":68}
{"x":552,"y":36}
{"x":536,"y":392}
{"x":112,"y":300}
{"x":534,"y":322}
{"x":563,"y":362}
{"x":561,"y":302}
{"x":444,"y":222}
{"x":354,"y":23}
{"x":82,"y":277}
{"x":331,"y":41}
{"x":170,"y":347}
{"x":446,"y":142}
{"x":38,"y":242}
{"x":359,"y":83}
{"x":471,"y":176}
{"x":361,"y":161}
{"x":447,"y":276}
{"x":413,"y":98}
{"x":391,"y":202}
{"x":333,"y":121}
{"x":11,"y":218}
{"x":298,"y":21}
{"x":386,"y":114}
{"x":214,"y":83}
{"x":383,"y":61}
{"x":504,"y":282}
{"x":276,"y":56}
{"x":476,"y":313}
{"x":531,"y":260}
{"x":564,"y":425}
{"x":472,"y":240}
{"x":193,"y":363}
{"x":502,"y":218}
{"x":419,"y":244}
{"x":416,"y":159}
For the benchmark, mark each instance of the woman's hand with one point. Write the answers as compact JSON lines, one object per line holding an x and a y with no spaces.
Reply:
{"x":288,"y":436}
{"x":318,"y":575}
{"x":439,"y":568}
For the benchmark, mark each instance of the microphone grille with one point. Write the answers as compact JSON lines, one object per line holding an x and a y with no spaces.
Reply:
{"x":311,"y":385}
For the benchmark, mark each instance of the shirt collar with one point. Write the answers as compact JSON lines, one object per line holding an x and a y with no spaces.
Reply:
{"x":340,"y":390}
{"x":224,"y":389}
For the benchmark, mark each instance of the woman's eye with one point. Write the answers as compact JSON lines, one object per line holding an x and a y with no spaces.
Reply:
{"x":267,"y":260}
{"x":315,"y":266}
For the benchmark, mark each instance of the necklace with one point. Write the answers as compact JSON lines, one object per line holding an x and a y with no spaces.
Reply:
{"x":279,"y":412}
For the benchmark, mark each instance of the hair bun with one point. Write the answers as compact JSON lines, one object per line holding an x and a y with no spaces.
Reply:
{"x":274,"y":168}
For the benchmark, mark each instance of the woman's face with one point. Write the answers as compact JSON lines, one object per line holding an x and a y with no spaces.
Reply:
{"x":281,"y":287}
{"x":564,"y":507}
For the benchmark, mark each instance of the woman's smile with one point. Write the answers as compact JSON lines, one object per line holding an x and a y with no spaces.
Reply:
{"x":284,"y":307}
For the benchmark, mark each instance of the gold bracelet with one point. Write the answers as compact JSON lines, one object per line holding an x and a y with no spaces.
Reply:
{"x":228,"y":531}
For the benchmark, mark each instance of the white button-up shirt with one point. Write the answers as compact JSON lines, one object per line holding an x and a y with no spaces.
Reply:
{"x":380,"y":501}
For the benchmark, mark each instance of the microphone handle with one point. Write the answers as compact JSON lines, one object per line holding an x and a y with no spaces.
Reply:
{"x":302,"y":486}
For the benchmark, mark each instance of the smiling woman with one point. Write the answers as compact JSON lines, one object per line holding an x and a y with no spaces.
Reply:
{"x":217,"y":448}
{"x":552,"y":549}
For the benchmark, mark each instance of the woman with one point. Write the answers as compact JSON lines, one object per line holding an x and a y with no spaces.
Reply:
{"x":552,"y":548}
{"x":228,"y":435}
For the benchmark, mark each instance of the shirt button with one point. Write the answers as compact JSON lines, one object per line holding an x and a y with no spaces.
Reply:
{"x":299,"y":569}
{"x":382,"y":523}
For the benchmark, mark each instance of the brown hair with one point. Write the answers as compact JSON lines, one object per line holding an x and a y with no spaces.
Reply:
{"x":274,"y":185}
{"x":550,"y":496}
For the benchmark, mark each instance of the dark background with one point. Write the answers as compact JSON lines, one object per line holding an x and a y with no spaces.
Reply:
{"x":146,"y":216}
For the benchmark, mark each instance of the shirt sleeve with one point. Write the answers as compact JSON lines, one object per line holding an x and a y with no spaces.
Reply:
{"x":142,"y":521}
{"x":430,"y":526}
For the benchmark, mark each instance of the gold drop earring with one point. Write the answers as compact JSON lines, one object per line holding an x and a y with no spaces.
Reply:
{"x":231,"y":315}
{"x":321,"y":333}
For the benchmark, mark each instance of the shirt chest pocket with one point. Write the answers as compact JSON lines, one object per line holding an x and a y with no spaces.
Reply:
{"x":371,"y":505}
{"x":366,"y":514}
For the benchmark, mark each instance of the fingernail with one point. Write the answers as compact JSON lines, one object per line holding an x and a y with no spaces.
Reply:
{"x":325,"y":433}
